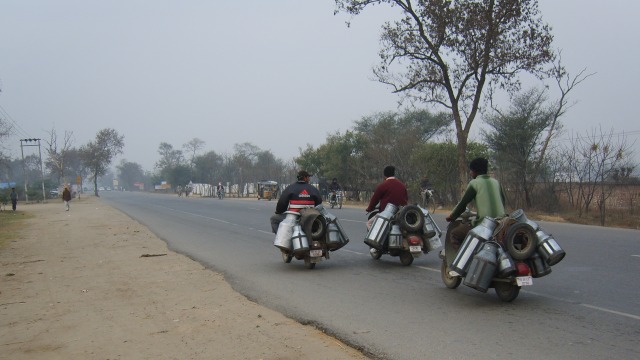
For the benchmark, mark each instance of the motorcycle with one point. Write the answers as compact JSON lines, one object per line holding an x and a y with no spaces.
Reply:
{"x":504,"y":254}
{"x":220,"y":194}
{"x":335,"y":199}
{"x":406,"y":232}
{"x":309,"y":235}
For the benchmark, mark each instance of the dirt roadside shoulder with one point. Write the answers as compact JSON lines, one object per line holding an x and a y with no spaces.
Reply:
{"x":92,"y":283}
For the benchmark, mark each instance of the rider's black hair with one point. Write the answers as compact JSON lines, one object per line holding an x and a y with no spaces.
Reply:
{"x":479,"y":165}
{"x":389,"y":171}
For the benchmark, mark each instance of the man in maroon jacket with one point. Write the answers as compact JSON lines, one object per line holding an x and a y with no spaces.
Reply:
{"x":391,"y":190}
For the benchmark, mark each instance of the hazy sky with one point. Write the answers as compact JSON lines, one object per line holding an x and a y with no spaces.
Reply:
{"x":279,"y":74}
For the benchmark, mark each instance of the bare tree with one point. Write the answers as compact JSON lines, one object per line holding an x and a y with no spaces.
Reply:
{"x":594,"y":160}
{"x":192,"y":147}
{"x":566,"y":83}
{"x":6,"y":130}
{"x":58,"y":153}
{"x":446,"y":52}
{"x":244,"y":158}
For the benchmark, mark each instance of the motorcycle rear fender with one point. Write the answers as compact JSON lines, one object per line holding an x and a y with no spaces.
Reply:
{"x":417,"y":240}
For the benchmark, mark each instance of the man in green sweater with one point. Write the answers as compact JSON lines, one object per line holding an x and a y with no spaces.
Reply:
{"x":487,"y":194}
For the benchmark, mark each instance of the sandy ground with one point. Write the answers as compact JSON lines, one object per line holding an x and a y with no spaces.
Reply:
{"x":92,"y":283}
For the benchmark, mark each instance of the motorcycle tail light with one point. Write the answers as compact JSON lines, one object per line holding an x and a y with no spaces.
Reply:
{"x":415,"y":240}
{"x":523,"y":269}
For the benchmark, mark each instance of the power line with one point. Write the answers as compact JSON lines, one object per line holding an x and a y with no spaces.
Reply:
{"x":6,"y":115}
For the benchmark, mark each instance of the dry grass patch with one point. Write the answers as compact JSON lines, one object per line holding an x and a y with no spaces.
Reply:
{"x":10,"y":223}
{"x":614,"y":218}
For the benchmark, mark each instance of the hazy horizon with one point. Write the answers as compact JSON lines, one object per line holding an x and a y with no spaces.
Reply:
{"x":279,"y":75}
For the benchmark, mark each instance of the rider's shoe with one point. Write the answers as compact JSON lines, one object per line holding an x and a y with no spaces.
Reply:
{"x":441,"y":255}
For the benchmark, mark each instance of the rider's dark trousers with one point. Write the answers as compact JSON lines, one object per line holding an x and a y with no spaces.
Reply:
{"x":276,"y":219}
{"x":458,"y":234}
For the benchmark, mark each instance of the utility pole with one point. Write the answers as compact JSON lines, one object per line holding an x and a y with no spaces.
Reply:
{"x":27,"y":142}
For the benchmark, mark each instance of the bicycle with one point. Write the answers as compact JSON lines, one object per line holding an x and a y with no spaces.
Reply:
{"x":430,"y":200}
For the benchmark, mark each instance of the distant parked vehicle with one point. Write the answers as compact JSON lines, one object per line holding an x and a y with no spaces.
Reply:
{"x":267,"y":189}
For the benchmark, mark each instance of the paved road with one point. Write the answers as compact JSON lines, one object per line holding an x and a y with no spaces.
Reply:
{"x":587,"y":308}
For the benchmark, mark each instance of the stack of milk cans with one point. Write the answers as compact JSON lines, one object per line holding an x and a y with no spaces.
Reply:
{"x":487,"y":253}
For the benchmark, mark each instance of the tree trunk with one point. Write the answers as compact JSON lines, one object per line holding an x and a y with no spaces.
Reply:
{"x":95,"y":185}
{"x":462,"y":135}
{"x":462,"y":164}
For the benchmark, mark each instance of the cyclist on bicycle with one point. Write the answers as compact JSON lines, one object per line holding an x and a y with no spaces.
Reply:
{"x":426,"y":190}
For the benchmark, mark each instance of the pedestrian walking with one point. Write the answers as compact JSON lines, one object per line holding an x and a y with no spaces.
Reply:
{"x":66,"y":197}
{"x":14,"y":198}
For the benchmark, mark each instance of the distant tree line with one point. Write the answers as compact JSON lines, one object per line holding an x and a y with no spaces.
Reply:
{"x":63,"y":163}
{"x":449,"y":55}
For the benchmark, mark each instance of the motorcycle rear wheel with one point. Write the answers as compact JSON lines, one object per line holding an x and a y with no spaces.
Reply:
{"x":506,"y":292}
{"x":405,"y":258}
{"x":286,"y":257}
{"x":449,"y":281}
{"x":375,"y":253}
{"x":308,"y":264}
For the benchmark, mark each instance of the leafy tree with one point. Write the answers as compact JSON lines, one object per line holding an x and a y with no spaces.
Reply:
{"x":169,"y":157}
{"x":208,"y":168}
{"x":268,"y":166}
{"x":130,"y":173}
{"x":338,"y":160}
{"x":446,"y":53}
{"x":358,"y":156}
{"x":437,"y":162}
{"x":98,"y":154}
{"x":177,"y":175}
{"x":74,"y":165}
{"x":393,"y":138}
{"x":516,"y":140}
{"x":310,"y":160}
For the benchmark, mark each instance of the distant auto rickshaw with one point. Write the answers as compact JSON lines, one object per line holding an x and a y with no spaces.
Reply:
{"x":267,"y":189}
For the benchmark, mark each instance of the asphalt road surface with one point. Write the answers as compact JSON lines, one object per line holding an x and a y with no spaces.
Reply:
{"x":587,"y":308}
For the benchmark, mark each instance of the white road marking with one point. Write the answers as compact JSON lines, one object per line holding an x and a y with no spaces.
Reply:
{"x":356,"y":221}
{"x":611,"y":311}
{"x":201,"y":216}
{"x":353,"y":252}
{"x":427,"y":268}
